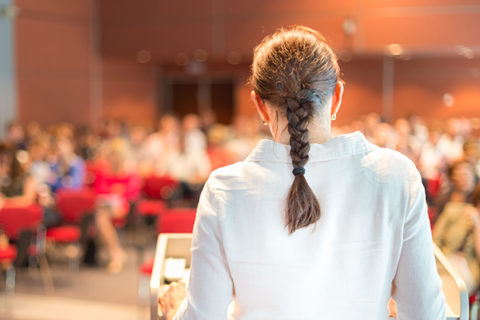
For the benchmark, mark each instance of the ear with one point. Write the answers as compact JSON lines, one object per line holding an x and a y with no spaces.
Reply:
{"x":337,"y":97}
{"x":262,"y":108}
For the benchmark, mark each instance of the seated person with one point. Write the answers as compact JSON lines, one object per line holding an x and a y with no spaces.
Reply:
{"x":19,"y":189}
{"x":457,"y":188}
{"x":116,"y":185}
{"x":457,"y":234}
{"x":67,"y":168}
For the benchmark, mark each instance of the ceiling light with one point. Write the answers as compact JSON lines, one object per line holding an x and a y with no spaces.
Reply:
{"x":448,"y":100}
{"x":200,"y":55}
{"x":465,"y":52}
{"x":395,"y":49}
{"x":181,"y":59}
{"x":349,"y":26}
{"x":234,"y":57}
{"x":144,"y":56}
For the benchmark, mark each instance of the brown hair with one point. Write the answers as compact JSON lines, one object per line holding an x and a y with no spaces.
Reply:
{"x":296,"y":71}
{"x":476,"y":196}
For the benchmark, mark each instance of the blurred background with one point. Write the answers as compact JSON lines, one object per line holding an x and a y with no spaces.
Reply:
{"x":114,"y":112}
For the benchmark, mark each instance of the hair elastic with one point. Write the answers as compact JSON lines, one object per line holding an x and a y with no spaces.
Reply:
{"x":298,"y":170}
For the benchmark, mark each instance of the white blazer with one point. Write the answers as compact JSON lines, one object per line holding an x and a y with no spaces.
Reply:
{"x":373,"y":232}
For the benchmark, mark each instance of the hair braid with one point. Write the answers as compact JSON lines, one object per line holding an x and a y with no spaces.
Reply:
{"x":303,"y":208}
{"x":298,"y":116}
{"x":296,"y":71}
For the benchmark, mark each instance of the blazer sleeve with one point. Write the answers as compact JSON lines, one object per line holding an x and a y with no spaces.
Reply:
{"x":210,"y":286}
{"x":417,"y":285}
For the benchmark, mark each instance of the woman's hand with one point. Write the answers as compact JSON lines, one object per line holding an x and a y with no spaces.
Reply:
{"x":171,"y":299}
{"x":392,"y":308}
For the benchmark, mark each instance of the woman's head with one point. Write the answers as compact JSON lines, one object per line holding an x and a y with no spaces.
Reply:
{"x":118,"y":156}
{"x":12,"y":162}
{"x":295,"y":78}
{"x":296,"y":63}
{"x":462,"y":176}
{"x":64,"y":147}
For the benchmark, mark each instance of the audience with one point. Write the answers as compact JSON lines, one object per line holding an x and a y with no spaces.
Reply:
{"x":112,"y":158}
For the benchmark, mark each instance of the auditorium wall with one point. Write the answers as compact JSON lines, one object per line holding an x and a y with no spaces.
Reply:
{"x":57,"y":61}
{"x":437,"y":88}
{"x":7,"y":75}
{"x":129,"y":91}
{"x":79,"y":60}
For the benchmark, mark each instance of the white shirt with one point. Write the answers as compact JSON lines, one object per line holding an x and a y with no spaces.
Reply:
{"x":430,"y":161}
{"x":188,"y":166}
{"x":195,"y":142}
{"x":373,"y":231}
{"x":452,"y":148}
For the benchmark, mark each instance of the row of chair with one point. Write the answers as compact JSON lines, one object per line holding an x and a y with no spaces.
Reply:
{"x":74,"y":205}
{"x":13,"y":221}
{"x":173,"y":221}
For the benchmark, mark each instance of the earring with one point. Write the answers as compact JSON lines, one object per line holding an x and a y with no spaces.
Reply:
{"x":334,"y":117}
{"x":265,"y":123}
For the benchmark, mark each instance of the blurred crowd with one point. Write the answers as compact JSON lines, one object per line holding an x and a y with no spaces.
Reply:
{"x":447,"y":154}
{"x":113,"y":159}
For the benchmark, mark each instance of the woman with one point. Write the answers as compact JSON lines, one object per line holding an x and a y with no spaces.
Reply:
{"x":457,"y":188}
{"x":18,"y":188}
{"x":68,"y":169}
{"x":457,"y":234}
{"x":310,"y":226}
{"x":116,"y":185}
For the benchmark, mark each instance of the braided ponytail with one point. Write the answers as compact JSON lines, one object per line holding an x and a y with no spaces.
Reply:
{"x":296,"y":71}
{"x":303,"y":208}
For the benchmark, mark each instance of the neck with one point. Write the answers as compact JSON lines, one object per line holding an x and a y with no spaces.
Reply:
{"x":458,"y":196}
{"x":317,"y":134}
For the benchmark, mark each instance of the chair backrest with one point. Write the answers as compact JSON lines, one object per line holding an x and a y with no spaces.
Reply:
{"x":90,"y":174}
{"x":74,"y":204}
{"x":177,"y":221}
{"x":13,"y":220}
{"x":155,"y":187}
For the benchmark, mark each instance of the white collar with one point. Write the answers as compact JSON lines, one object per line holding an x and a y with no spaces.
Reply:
{"x":337,"y":147}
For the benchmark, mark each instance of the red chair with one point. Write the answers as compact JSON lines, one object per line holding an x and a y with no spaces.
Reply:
{"x":433,"y":186}
{"x":147,"y":267}
{"x":159,"y":188}
{"x":178,"y":220}
{"x":156,"y":190}
{"x":150,"y":207}
{"x":72,"y":205}
{"x":91,"y":169}
{"x":14,"y":220}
